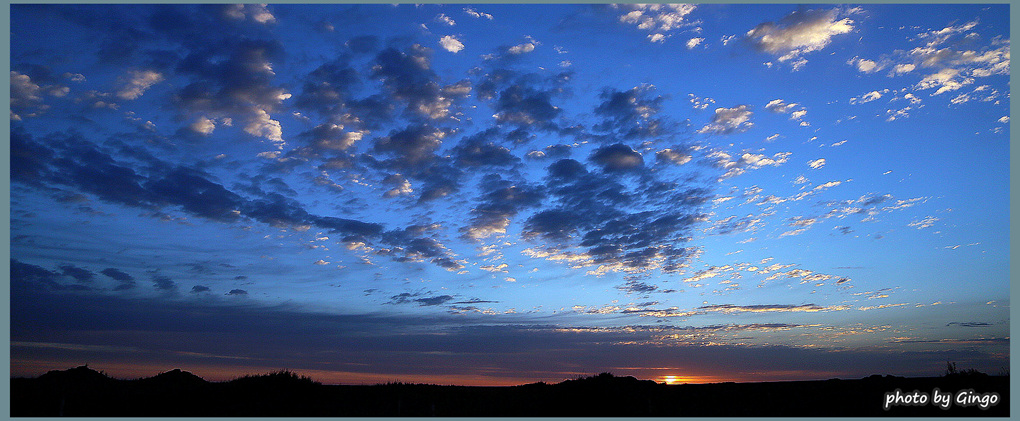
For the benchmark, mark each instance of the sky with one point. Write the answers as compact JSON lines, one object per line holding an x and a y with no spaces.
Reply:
{"x":505,"y":194}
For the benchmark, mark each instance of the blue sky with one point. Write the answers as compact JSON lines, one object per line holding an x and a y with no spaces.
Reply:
{"x":500,"y":194}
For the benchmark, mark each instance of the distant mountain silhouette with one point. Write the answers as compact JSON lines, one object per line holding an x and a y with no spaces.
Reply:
{"x":84,"y":392}
{"x":81,"y":375}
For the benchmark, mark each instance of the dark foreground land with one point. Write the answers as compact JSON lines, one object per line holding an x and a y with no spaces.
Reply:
{"x":84,"y":392}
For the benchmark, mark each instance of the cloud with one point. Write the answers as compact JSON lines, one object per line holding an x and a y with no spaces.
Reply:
{"x":163,"y":283}
{"x":28,"y":91}
{"x":407,"y":298}
{"x":769,"y":308}
{"x":521,"y":48}
{"x":255,"y":12}
{"x":232,"y":81}
{"x":593,"y":213}
{"x":237,"y":292}
{"x":729,"y":120}
{"x":477,"y":14}
{"x":780,"y":106}
{"x":637,"y":287}
{"x":262,"y":125}
{"x":117,"y":275}
{"x":203,"y":126}
{"x":630,"y":113}
{"x":746,"y":161}
{"x":616,"y":158}
{"x":442,"y":18}
{"x":816,"y":164}
{"x":480,"y":150}
{"x":864,"y":65}
{"x":501,"y":200}
{"x":676,"y":157}
{"x":412,"y":147}
{"x":923,"y":223}
{"x":79,"y":274}
{"x":137,"y":82}
{"x":451,"y":44}
{"x":799,"y":33}
{"x":199,"y":289}
{"x":694,"y":42}
{"x":660,"y":20}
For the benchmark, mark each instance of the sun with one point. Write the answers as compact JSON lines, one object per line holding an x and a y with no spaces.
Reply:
{"x":671,"y":379}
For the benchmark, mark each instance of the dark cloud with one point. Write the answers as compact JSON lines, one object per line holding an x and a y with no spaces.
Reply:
{"x":363,"y":44}
{"x":193,"y":192}
{"x":82,"y":166}
{"x":630,"y":113}
{"x":480,"y":150}
{"x":199,"y":288}
{"x":433,"y":301}
{"x":632,"y":227}
{"x":237,"y":292}
{"x":117,"y":274}
{"x":79,"y":274}
{"x":26,"y":277}
{"x":969,"y":324}
{"x":618,"y":157}
{"x":526,"y":106}
{"x":163,"y":283}
{"x":327,"y":88}
{"x":501,"y":200}
{"x":634,"y":286}
{"x":475,"y":301}
{"x":408,"y":77}
{"x":411,"y":147}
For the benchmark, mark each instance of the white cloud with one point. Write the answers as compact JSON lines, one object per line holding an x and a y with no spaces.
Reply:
{"x":203,"y":126}
{"x":658,"y":19}
{"x":865,"y":65}
{"x":262,"y":125}
{"x":799,"y":33}
{"x":23,"y":90}
{"x":868,"y":97}
{"x":445,"y":19}
{"x":797,"y":115}
{"x":256,"y":12}
{"x":693,"y":42}
{"x":945,"y":80}
{"x":923,"y":223}
{"x":729,"y":120}
{"x":816,"y":164}
{"x":451,"y":44}
{"x":700,"y":103}
{"x":779,"y":106}
{"x":900,"y":69}
{"x":137,"y":83}
{"x":1004,"y":119}
{"x":522,"y":48}
{"x":477,"y":14}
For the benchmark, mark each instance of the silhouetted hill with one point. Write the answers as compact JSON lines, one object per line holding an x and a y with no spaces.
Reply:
{"x":85,"y":392}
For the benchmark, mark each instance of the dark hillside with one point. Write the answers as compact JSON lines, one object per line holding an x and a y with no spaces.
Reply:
{"x":85,"y":392}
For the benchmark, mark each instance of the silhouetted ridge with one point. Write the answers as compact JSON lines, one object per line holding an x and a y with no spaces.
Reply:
{"x":282,"y":378}
{"x":174,"y":378}
{"x":83,"y":392}
{"x":81,"y":375}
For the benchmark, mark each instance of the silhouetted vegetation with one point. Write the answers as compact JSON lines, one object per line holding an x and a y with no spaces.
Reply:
{"x":85,"y":392}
